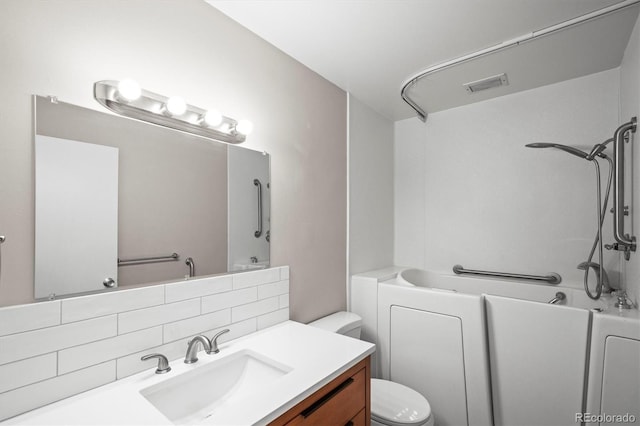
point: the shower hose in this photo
(598, 239)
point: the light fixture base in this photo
(149, 107)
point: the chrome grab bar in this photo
(140, 260)
(258, 233)
(560, 296)
(628, 242)
(552, 278)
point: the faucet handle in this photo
(623, 301)
(163, 363)
(214, 341)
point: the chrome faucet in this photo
(214, 341)
(192, 349)
(560, 296)
(623, 302)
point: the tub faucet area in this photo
(560, 296)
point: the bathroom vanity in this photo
(345, 400)
(286, 374)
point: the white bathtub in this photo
(477, 285)
(493, 351)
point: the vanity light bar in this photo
(127, 99)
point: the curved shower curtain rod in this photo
(504, 45)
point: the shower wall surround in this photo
(52, 350)
(630, 107)
(370, 189)
(468, 192)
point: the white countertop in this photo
(315, 356)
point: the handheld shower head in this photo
(565, 148)
(598, 148)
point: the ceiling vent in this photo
(487, 83)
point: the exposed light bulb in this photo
(176, 105)
(245, 127)
(129, 89)
(212, 118)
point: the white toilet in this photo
(392, 404)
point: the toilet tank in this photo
(346, 323)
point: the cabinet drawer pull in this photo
(319, 403)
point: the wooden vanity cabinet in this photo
(346, 400)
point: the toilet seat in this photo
(394, 404)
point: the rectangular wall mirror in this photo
(121, 202)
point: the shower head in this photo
(565, 148)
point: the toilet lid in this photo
(396, 404)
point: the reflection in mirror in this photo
(248, 209)
(120, 202)
(76, 216)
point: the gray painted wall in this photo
(184, 47)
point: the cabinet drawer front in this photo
(338, 406)
(359, 420)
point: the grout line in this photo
(53, 378)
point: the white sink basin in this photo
(193, 396)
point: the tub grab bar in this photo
(552, 278)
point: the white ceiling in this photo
(370, 47)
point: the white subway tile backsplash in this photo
(94, 353)
(283, 301)
(236, 330)
(27, 371)
(284, 272)
(55, 349)
(27, 398)
(273, 289)
(197, 288)
(194, 326)
(254, 309)
(253, 278)
(45, 340)
(229, 299)
(18, 319)
(79, 308)
(157, 315)
(272, 318)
